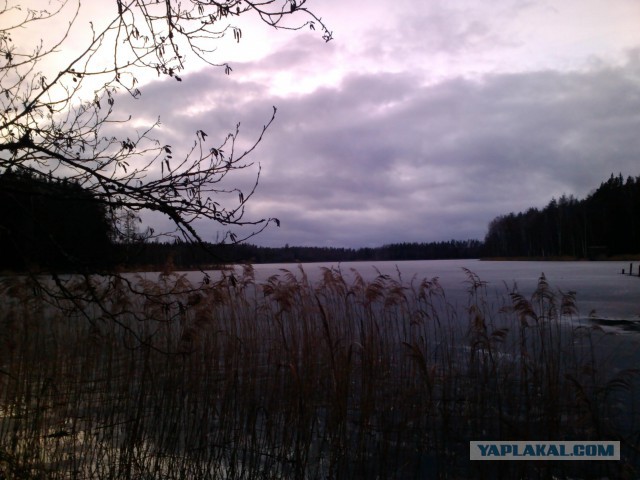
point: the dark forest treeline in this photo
(189, 256)
(606, 223)
(51, 224)
(58, 225)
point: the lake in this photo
(602, 291)
(310, 384)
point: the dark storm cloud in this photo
(387, 158)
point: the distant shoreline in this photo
(613, 258)
(167, 268)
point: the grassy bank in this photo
(290, 379)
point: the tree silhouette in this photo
(604, 223)
(54, 118)
(51, 225)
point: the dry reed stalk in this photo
(291, 379)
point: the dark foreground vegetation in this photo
(288, 379)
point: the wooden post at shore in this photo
(624, 272)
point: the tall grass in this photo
(301, 380)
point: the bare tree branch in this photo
(49, 126)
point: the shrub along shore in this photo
(133, 378)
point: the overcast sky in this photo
(420, 121)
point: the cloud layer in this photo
(367, 156)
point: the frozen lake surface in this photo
(602, 292)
